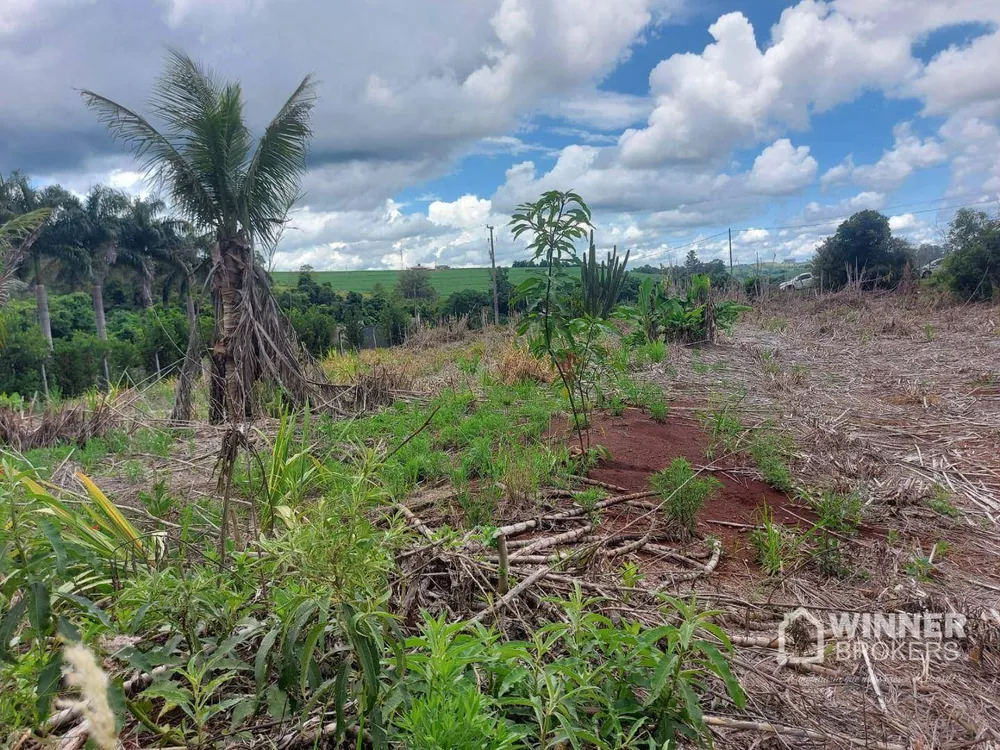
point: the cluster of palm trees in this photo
(232, 190)
(79, 241)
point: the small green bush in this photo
(683, 493)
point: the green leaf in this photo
(662, 674)
(721, 665)
(67, 630)
(48, 685)
(246, 708)
(277, 703)
(692, 703)
(290, 663)
(172, 695)
(260, 663)
(116, 698)
(40, 611)
(88, 605)
(340, 700)
(308, 648)
(138, 617)
(8, 626)
(51, 532)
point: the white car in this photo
(930, 268)
(802, 281)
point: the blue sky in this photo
(675, 119)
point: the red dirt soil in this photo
(638, 447)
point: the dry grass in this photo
(70, 423)
(515, 364)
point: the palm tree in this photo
(187, 259)
(17, 235)
(146, 239)
(105, 210)
(205, 159)
(18, 232)
(58, 241)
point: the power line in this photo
(889, 208)
(661, 251)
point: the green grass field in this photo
(446, 282)
(451, 280)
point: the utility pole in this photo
(730, 253)
(493, 267)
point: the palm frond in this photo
(19, 230)
(184, 93)
(16, 238)
(272, 178)
(158, 156)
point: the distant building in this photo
(442, 268)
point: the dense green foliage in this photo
(445, 281)
(972, 267)
(864, 250)
(300, 621)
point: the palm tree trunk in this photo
(146, 287)
(231, 259)
(102, 331)
(192, 364)
(42, 301)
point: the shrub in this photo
(21, 358)
(972, 267)
(78, 362)
(864, 245)
(683, 493)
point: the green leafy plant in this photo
(837, 512)
(940, 502)
(555, 222)
(683, 493)
(777, 546)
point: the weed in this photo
(921, 566)
(776, 324)
(829, 557)
(777, 546)
(940, 502)
(134, 471)
(658, 409)
(617, 406)
(587, 499)
(683, 493)
(727, 431)
(158, 501)
(837, 512)
(928, 332)
(153, 442)
(768, 450)
(656, 351)
(632, 576)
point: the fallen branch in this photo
(511, 595)
(766, 726)
(412, 517)
(551, 541)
